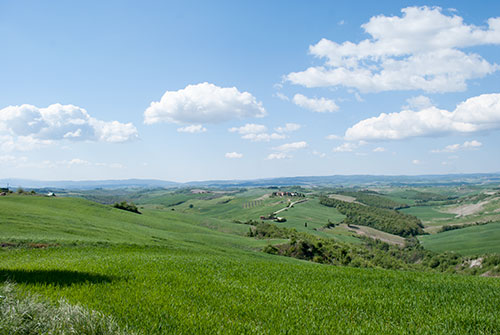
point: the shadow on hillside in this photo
(54, 277)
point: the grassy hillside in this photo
(165, 272)
(73, 220)
(467, 241)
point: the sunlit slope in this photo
(474, 240)
(163, 272)
(200, 290)
(68, 220)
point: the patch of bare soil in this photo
(345, 198)
(467, 209)
(264, 197)
(375, 234)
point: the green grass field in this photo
(427, 213)
(166, 272)
(467, 241)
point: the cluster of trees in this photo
(461, 226)
(127, 207)
(377, 254)
(268, 230)
(390, 221)
(372, 198)
(423, 198)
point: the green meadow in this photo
(474, 240)
(187, 268)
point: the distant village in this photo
(287, 194)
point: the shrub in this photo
(127, 207)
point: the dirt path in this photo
(290, 205)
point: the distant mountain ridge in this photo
(334, 180)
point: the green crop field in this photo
(467, 241)
(171, 272)
(427, 213)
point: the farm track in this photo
(290, 205)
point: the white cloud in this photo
(203, 103)
(379, 149)
(284, 149)
(195, 128)
(256, 133)
(291, 146)
(278, 155)
(321, 105)
(9, 159)
(416, 162)
(418, 103)
(419, 50)
(319, 154)
(288, 128)
(349, 146)
(333, 137)
(474, 115)
(264, 137)
(345, 147)
(27, 127)
(78, 161)
(281, 96)
(249, 128)
(472, 144)
(456, 147)
(233, 155)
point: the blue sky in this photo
(203, 90)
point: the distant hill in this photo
(335, 180)
(86, 184)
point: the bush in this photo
(127, 207)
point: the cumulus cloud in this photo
(319, 154)
(233, 155)
(333, 137)
(420, 50)
(473, 115)
(379, 149)
(198, 128)
(284, 150)
(26, 127)
(278, 155)
(249, 128)
(418, 103)
(287, 147)
(281, 96)
(345, 147)
(416, 162)
(203, 103)
(456, 147)
(256, 133)
(288, 128)
(321, 105)
(349, 146)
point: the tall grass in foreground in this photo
(28, 314)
